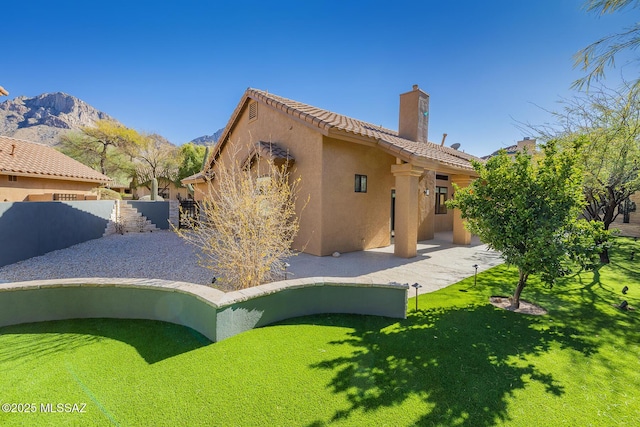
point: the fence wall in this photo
(29, 229)
(215, 314)
(156, 212)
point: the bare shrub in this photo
(247, 222)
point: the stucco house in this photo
(166, 189)
(527, 144)
(34, 172)
(368, 186)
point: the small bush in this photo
(107, 194)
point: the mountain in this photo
(44, 118)
(208, 139)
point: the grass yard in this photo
(458, 361)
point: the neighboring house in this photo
(628, 219)
(528, 144)
(167, 189)
(120, 187)
(368, 186)
(36, 172)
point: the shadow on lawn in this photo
(154, 340)
(464, 362)
(599, 293)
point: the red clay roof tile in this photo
(386, 138)
(18, 157)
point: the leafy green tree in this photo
(192, 158)
(603, 128)
(600, 54)
(107, 147)
(524, 210)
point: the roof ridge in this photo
(25, 141)
(388, 138)
(36, 159)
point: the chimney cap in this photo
(415, 87)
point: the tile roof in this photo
(386, 138)
(512, 149)
(18, 157)
(273, 151)
(269, 150)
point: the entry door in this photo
(393, 212)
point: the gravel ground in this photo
(163, 255)
(158, 255)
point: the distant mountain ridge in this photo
(44, 118)
(208, 139)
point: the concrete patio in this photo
(163, 255)
(439, 263)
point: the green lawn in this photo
(458, 361)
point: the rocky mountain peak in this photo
(208, 139)
(44, 118)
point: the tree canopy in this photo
(524, 209)
(107, 147)
(599, 55)
(603, 128)
(192, 158)
(155, 157)
(126, 154)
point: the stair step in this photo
(131, 221)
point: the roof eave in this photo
(56, 177)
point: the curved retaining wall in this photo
(215, 314)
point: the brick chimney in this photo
(414, 115)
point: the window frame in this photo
(440, 206)
(360, 184)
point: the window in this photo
(64, 197)
(442, 177)
(361, 184)
(441, 197)
(13, 178)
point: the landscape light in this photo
(417, 286)
(475, 276)
(286, 265)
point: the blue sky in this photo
(179, 68)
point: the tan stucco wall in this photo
(173, 190)
(336, 218)
(427, 206)
(20, 190)
(444, 222)
(632, 228)
(304, 145)
(355, 221)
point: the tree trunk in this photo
(103, 160)
(522, 281)
(604, 255)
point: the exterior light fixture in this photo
(475, 276)
(286, 265)
(417, 286)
